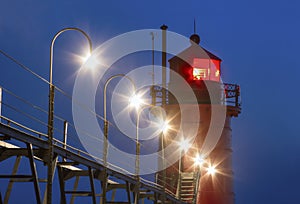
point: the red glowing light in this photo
(206, 69)
(199, 73)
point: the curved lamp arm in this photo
(53, 41)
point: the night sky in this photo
(258, 41)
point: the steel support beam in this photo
(34, 174)
(11, 182)
(61, 185)
(91, 176)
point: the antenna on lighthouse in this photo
(153, 94)
(194, 25)
(164, 63)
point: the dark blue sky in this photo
(258, 41)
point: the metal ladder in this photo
(188, 186)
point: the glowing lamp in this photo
(201, 70)
(86, 57)
(206, 69)
(198, 160)
(165, 126)
(135, 101)
(184, 144)
(211, 170)
(196, 63)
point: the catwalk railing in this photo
(231, 94)
(13, 130)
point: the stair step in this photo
(187, 187)
(184, 179)
(188, 190)
(187, 194)
(187, 175)
(187, 200)
(187, 179)
(187, 182)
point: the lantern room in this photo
(206, 69)
(200, 68)
(196, 63)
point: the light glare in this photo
(85, 58)
(184, 145)
(135, 101)
(211, 170)
(199, 160)
(165, 127)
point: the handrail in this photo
(232, 91)
(81, 153)
(22, 126)
(74, 149)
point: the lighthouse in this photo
(203, 173)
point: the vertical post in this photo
(105, 149)
(0, 103)
(91, 175)
(164, 64)
(11, 181)
(105, 145)
(50, 142)
(106, 126)
(137, 145)
(137, 160)
(61, 185)
(153, 94)
(237, 93)
(197, 183)
(34, 174)
(50, 111)
(163, 166)
(164, 97)
(65, 137)
(179, 175)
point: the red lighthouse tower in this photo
(204, 173)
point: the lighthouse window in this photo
(199, 74)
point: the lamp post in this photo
(164, 129)
(137, 101)
(105, 112)
(105, 145)
(163, 165)
(51, 109)
(137, 148)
